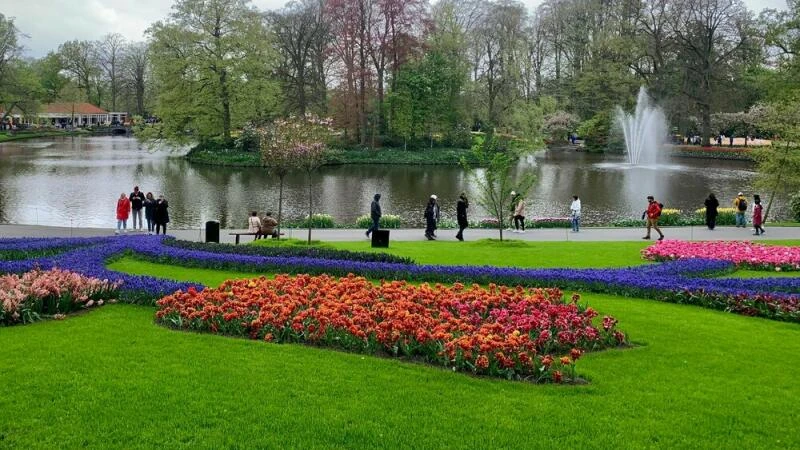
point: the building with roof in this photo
(77, 114)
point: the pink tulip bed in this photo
(742, 254)
(37, 293)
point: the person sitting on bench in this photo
(254, 224)
(268, 225)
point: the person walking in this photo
(653, 213)
(254, 225)
(575, 209)
(149, 212)
(513, 208)
(758, 216)
(137, 203)
(123, 211)
(430, 218)
(740, 204)
(519, 214)
(461, 215)
(711, 211)
(436, 214)
(161, 215)
(375, 214)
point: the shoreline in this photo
(587, 234)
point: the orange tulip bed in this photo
(514, 333)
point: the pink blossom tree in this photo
(295, 143)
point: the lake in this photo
(75, 181)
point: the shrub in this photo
(549, 222)
(795, 207)
(317, 221)
(387, 221)
(248, 140)
(458, 137)
(725, 216)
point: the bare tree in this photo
(135, 66)
(110, 57)
(711, 35)
(301, 34)
(78, 59)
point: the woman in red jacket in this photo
(123, 211)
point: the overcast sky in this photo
(48, 23)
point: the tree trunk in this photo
(309, 206)
(226, 105)
(280, 203)
(706, 124)
(777, 183)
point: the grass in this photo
(700, 379)
(112, 378)
(6, 137)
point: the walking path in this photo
(586, 234)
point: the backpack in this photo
(742, 205)
(660, 207)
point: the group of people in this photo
(156, 212)
(740, 206)
(262, 227)
(432, 214)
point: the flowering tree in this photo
(292, 144)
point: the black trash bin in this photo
(380, 238)
(212, 231)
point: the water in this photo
(76, 182)
(644, 130)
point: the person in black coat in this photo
(711, 211)
(161, 214)
(374, 213)
(149, 212)
(461, 215)
(430, 219)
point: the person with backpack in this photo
(740, 203)
(653, 213)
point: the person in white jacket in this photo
(254, 224)
(519, 214)
(575, 208)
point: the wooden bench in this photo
(247, 233)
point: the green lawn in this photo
(111, 378)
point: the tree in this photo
(19, 85)
(136, 72)
(48, 69)
(301, 34)
(296, 143)
(10, 48)
(110, 56)
(79, 61)
(712, 37)
(496, 181)
(779, 166)
(210, 59)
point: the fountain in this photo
(644, 130)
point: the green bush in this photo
(458, 137)
(248, 140)
(795, 206)
(317, 221)
(597, 133)
(387, 221)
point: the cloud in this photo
(49, 23)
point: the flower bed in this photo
(549, 222)
(741, 253)
(733, 153)
(499, 331)
(681, 281)
(25, 298)
(267, 250)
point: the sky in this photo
(48, 23)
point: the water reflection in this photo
(76, 181)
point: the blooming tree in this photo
(295, 143)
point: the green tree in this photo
(19, 85)
(211, 60)
(496, 180)
(779, 166)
